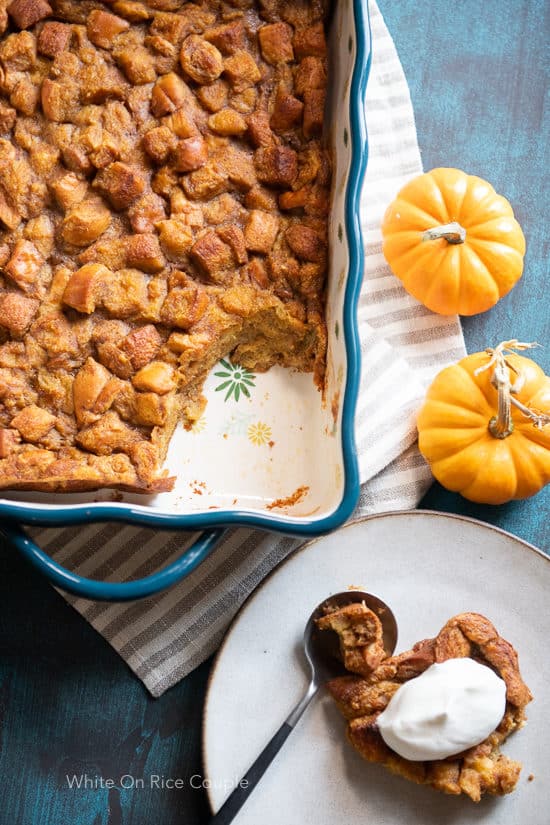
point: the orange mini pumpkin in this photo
(484, 427)
(453, 242)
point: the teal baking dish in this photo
(270, 452)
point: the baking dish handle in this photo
(112, 591)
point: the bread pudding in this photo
(164, 192)
(364, 696)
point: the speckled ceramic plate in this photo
(427, 567)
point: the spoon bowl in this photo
(321, 647)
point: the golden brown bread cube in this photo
(138, 64)
(33, 422)
(69, 190)
(259, 129)
(260, 231)
(85, 222)
(182, 123)
(141, 345)
(184, 307)
(306, 242)
(171, 27)
(151, 409)
(310, 41)
(120, 183)
(8, 117)
(276, 43)
(60, 100)
(287, 113)
(205, 182)
(310, 74)
(200, 60)
(190, 154)
(229, 37)
(314, 111)
(9, 441)
(227, 122)
(155, 377)
(24, 265)
(133, 11)
(103, 27)
(84, 287)
(54, 38)
(176, 237)
(26, 13)
(92, 395)
(17, 312)
(241, 70)
(18, 53)
(212, 256)
(109, 434)
(276, 165)
(169, 94)
(261, 197)
(232, 235)
(146, 212)
(159, 142)
(214, 96)
(144, 252)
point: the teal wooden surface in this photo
(478, 74)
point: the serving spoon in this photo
(322, 652)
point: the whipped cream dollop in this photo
(452, 706)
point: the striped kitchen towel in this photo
(404, 345)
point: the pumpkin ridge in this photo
(479, 212)
(398, 244)
(454, 209)
(459, 461)
(426, 190)
(473, 205)
(447, 407)
(505, 248)
(471, 283)
(534, 435)
(469, 250)
(435, 449)
(511, 264)
(533, 463)
(492, 205)
(490, 402)
(446, 280)
(504, 473)
(439, 386)
(413, 273)
(491, 226)
(407, 209)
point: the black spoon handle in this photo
(240, 794)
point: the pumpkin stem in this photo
(452, 232)
(502, 425)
